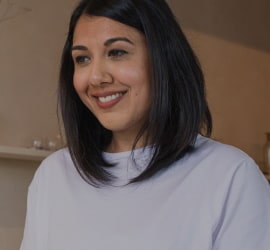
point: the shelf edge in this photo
(21, 153)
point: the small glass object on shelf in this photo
(37, 144)
(47, 143)
(266, 151)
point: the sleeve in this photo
(29, 237)
(245, 219)
(36, 222)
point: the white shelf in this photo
(21, 153)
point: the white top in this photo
(213, 199)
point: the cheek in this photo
(134, 76)
(80, 82)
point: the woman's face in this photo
(112, 73)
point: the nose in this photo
(99, 73)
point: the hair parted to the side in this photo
(178, 111)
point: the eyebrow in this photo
(116, 39)
(79, 47)
(106, 43)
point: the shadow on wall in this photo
(242, 21)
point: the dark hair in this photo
(178, 111)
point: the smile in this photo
(109, 98)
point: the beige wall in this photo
(31, 39)
(232, 40)
(15, 177)
(238, 84)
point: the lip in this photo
(110, 103)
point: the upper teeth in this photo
(109, 97)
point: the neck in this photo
(122, 143)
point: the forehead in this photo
(102, 28)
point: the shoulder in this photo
(217, 156)
(206, 147)
(216, 164)
(58, 160)
(57, 157)
(54, 168)
(222, 163)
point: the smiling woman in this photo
(139, 162)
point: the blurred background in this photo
(231, 39)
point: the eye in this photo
(81, 59)
(117, 53)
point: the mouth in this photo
(108, 100)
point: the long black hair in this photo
(178, 110)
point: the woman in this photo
(137, 174)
